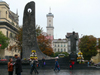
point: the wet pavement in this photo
(51, 72)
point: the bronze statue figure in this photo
(73, 38)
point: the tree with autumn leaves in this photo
(44, 44)
(88, 46)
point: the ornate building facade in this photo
(9, 27)
(60, 45)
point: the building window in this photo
(58, 50)
(49, 20)
(55, 50)
(58, 45)
(61, 50)
(64, 45)
(6, 14)
(10, 35)
(64, 50)
(61, 45)
(7, 33)
(55, 45)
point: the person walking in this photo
(18, 65)
(57, 65)
(43, 62)
(88, 63)
(72, 62)
(34, 67)
(31, 63)
(10, 67)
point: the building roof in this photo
(59, 40)
(13, 16)
(50, 15)
(4, 3)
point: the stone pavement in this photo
(51, 72)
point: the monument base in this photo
(73, 57)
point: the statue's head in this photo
(73, 33)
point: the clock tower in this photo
(50, 28)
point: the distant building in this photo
(60, 45)
(9, 27)
(69, 43)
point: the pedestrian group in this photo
(34, 64)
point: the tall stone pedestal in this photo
(73, 57)
(29, 33)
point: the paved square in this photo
(51, 72)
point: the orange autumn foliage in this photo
(45, 45)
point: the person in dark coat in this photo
(34, 67)
(43, 62)
(57, 65)
(18, 65)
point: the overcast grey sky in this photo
(82, 16)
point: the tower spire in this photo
(17, 11)
(50, 10)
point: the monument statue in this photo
(73, 38)
(29, 40)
